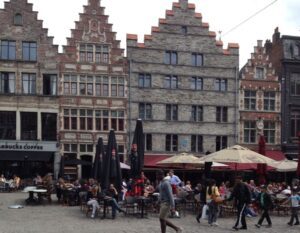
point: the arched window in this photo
(18, 19)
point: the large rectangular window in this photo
(171, 112)
(70, 119)
(28, 126)
(7, 125)
(221, 114)
(101, 120)
(94, 53)
(171, 57)
(49, 126)
(197, 59)
(221, 142)
(7, 83)
(49, 84)
(86, 119)
(269, 131)
(249, 100)
(8, 50)
(220, 84)
(117, 86)
(145, 111)
(295, 123)
(102, 86)
(70, 84)
(295, 84)
(197, 113)
(249, 132)
(29, 51)
(171, 82)
(196, 83)
(28, 84)
(117, 120)
(171, 142)
(269, 100)
(145, 80)
(197, 143)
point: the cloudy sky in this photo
(138, 16)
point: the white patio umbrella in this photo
(285, 165)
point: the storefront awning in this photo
(33, 156)
(150, 160)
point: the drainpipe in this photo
(236, 105)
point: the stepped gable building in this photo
(93, 94)
(28, 92)
(284, 53)
(183, 86)
(259, 101)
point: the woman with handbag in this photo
(212, 199)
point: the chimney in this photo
(268, 46)
(276, 35)
(259, 43)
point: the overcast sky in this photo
(138, 16)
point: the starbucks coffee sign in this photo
(27, 146)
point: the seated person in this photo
(37, 181)
(16, 182)
(188, 186)
(110, 196)
(148, 189)
(92, 198)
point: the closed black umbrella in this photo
(97, 166)
(137, 150)
(111, 164)
(62, 166)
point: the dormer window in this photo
(94, 53)
(259, 73)
(18, 20)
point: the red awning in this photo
(150, 160)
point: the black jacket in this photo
(241, 194)
(267, 201)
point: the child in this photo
(294, 199)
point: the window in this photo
(7, 83)
(197, 59)
(18, 19)
(171, 57)
(269, 101)
(145, 80)
(221, 114)
(145, 111)
(8, 125)
(117, 86)
(102, 84)
(70, 84)
(28, 84)
(94, 53)
(249, 100)
(49, 84)
(295, 84)
(171, 142)
(101, 120)
(8, 50)
(196, 143)
(220, 84)
(148, 142)
(171, 112)
(28, 126)
(184, 30)
(49, 124)
(295, 123)
(269, 131)
(171, 82)
(221, 142)
(197, 113)
(121, 152)
(86, 147)
(86, 119)
(249, 132)
(259, 73)
(70, 119)
(86, 85)
(29, 51)
(196, 83)
(117, 120)
(70, 147)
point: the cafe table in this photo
(142, 201)
(30, 189)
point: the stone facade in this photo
(183, 85)
(284, 53)
(259, 101)
(93, 90)
(28, 85)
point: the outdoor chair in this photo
(130, 205)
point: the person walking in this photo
(265, 203)
(166, 203)
(294, 200)
(212, 192)
(241, 195)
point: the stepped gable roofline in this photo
(212, 34)
(147, 37)
(198, 15)
(141, 45)
(169, 12)
(205, 25)
(219, 43)
(131, 36)
(191, 6)
(155, 29)
(162, 21)
(233, 45)
(176, 4)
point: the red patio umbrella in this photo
(262, 168)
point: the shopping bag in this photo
(204, 212)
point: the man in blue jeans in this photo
(110, 198)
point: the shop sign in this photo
(28, 146)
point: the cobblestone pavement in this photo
(55, 218)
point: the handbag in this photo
(216, 199)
